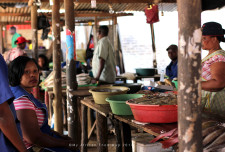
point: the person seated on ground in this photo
(18, 51)
(10, 132)
(171, 69)
(43, 62)
(32, 114)
(213, 68)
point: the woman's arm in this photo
(33, 134)
(217, 82)
(8, 127)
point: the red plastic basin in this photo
(154, 113)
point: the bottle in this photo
(162, 76)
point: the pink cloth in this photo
(14, 53)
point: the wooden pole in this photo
(74, 126)
(95, 30)
(115, 40)
(1, 41)
(102, 137)
(84, 139)
(189, 76)
(153, 46)
(57, 89)
(34, 31)
(5, 38)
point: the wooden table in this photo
(122, 127)
(156, 77)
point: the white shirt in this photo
(105, 51)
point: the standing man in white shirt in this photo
(103, 63)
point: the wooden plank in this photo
(57, 89)
(15, 14)
(116, 1)
(103, 109)
(189, 81)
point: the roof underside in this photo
(19, 13)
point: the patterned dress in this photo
(213, 101)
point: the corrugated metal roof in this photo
(20, 12)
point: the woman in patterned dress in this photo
(213, 68)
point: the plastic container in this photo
(101, 93)
(118, 103)
(140, 143)
(134, 87)
(145, 72)
(154, 113)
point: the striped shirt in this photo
(218, 56)
(25, 103)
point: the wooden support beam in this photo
(95, 30)
(153, 46)
(34, 31)
(189, 76)
(5, 37)
(57, 89)
(71, 82)
(15, 14)
(1, 40)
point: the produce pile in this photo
(156, 99)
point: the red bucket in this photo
(154, 113)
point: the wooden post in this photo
(34, 31)
(118, 135)
(189, 76)
(72, 106)
(84, 139)
(153, 46)
(5, 38)
(115, 40)
(1, 40)
(101, 126)
(95, 30)
(57, 89)
(126, 137)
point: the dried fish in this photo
(208, 123)
(208, 130)
(212, 136)
(219, 140)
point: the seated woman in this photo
(32, 114)
(213, 68)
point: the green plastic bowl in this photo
(118, 103)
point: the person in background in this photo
(33, 115)
(15, 35)
(43, 62)
(103, 63)
(213, 68)
(171, 69)
(18, 51)
(10, 132)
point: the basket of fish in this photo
(155, 108)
